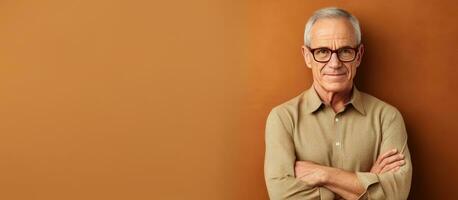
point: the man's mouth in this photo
(341, 74)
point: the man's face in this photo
(333, 33)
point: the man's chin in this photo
(336, 87)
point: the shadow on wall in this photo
(375, 71)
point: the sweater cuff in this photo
(326, 194)
(366, 179)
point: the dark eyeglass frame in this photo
(334, 51)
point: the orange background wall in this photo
(167, 100)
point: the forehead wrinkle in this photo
(332, 42)
(333, 32)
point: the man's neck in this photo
(336, 100)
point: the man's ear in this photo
(360, 55)
(307, 56)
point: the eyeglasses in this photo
(344, 54)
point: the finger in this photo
(386, 154)
(394, 169)
(392, 166)
(380, 164)
(392, 159)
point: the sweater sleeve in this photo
(280, 160)
(390, 185)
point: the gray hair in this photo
(331, 12)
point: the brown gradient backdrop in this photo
(151, 100)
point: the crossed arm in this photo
(344, 183)
(288, 178)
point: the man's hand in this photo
(343, 183)
(389, 161)
(309, 172)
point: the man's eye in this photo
(321, 51)
(346, 51)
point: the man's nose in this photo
(334, 62)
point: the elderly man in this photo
(333, 141)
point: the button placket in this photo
(337, 143)
(339, 127)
